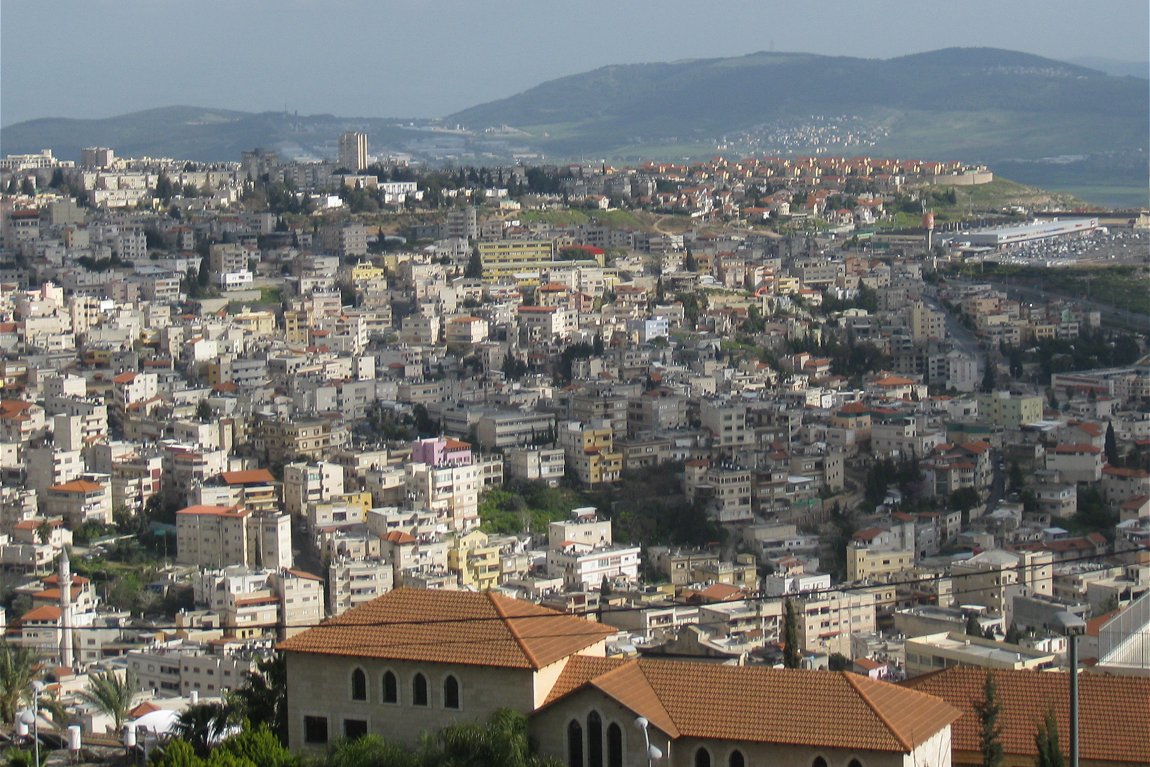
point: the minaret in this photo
(65, 577)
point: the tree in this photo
(792, 657)
(257, 745)
(263, 696)
(964, 499)
(474, 268)
(988, 377)
(203, 725)
(203, 411)
(989, 728)
(972, 627)
(1016, 478)
(500, 742)
(19, 666)
(370, 751)
(111, 695)
(1111, 446)
(838, 662)
(1013, 634)
(164, 188)
(1046, 740)
(690, 264)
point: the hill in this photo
(1040, 121)
(194, 133)
(967, 103)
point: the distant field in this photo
(1123, 287)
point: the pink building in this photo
(441, 451)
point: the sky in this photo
(429, 58)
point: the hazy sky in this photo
(428, 58)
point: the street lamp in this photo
(29, 717)
(653, 752)
(1073, 627)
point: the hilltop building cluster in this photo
(310, 418)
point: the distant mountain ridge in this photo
(612, 107)
(970, 104)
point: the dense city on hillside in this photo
(820, 413)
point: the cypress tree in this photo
(989, 729)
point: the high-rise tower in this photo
(352, 151)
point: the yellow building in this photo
(256, 323)
(474, 561)
(366, 271)
(501, 258)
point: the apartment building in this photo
(307, 483)
(85, 499)
(217, 536)
(352, 582)
(589, 449)
(827, 619)
(535, 463)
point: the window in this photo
(419, 690)
(354, 728)
(614, 745)
(358, 685)
(574, 744)
(854, 763)
(736, 759)
(594, 739)
(819, 762)
(702, 758)
(390, 688)
(450, 692)
(315, 729)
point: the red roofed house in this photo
(132, 388)
(20, 420)
(1076, 463)
(415, 661)
(1120, 485)
(1114, 714)
(254, 489)
(88, 499)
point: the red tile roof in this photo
(250, 477)
(217, 511)
(77, 486)
(42, 614)
(1114, 712)
(761, 705)
(475, 629)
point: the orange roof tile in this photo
(218, 511)
(249, 477)
(45, 613)
(303, 574)
(1114, 712)
(476, 629)
(77, 486)
(804, 708)
(1118, 471)
(1077, 449)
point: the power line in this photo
(759, 598)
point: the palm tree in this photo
(111, 694)
(203, 725)
(263, 696)
(501, 742)
(19, 666)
